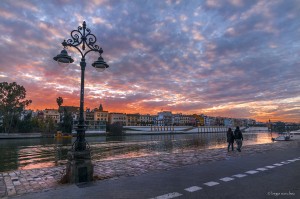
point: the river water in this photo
(21, 154)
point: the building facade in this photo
(53, 114)
(164, 118)
(133, 119)
(117, 118)
(146, 120)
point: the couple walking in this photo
(237, 136)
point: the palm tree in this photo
(59, 101)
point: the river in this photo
(21, 154)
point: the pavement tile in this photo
(16, 183)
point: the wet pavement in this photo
(36, 180)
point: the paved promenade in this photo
(26, 182)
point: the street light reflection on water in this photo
(23, 154)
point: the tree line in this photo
(14, 119)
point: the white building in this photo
(164, 118)
(146, 120)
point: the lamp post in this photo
(79, 166)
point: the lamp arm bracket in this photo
(76, 39)
(90, 41)
(77, 49)
(83, 36)
(94, 50)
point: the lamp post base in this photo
(79, 167)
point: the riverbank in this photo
(20, 135)
(20, 182)
(135, 130)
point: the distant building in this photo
(237, 122)
(95, 120)
(133, 119)
(74, 110)
(251, 122)
(219, 121)
(164, 118)
(25, 113)
(188, 120)
(199, 120)
(146, 120)
(100, 118)
(177, 119)
(228, 122)
(209, 121)
(101, 115)
(89, 119)
(40, 115)
(117, 118)
(53, 114)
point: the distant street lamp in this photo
(79, 166)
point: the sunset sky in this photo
(232, 58)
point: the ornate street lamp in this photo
(79, 166)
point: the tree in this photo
(12, 103)
(50, 125)
(26, 125)
(59, 102)
(115, 129)
(67, 124)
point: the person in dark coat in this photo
(230, 139)
(238, 136)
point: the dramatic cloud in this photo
(234, 58)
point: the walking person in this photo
(230, 139)
(239, 138)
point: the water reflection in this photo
(48, 152)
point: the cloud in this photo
(228, 58)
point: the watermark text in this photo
(271, 193)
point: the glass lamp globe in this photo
(63, 59)
(100, 65)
